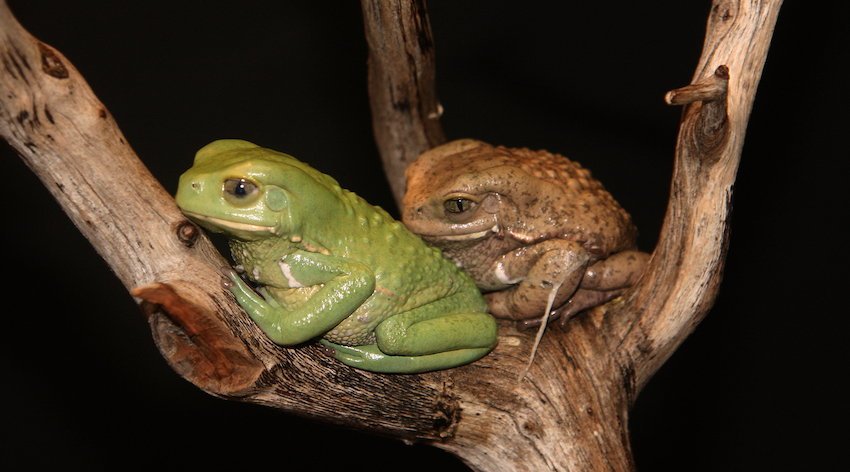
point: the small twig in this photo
(712, 88)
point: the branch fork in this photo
(571, 413)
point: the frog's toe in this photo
(584, 300)
(522, 325)
(355, 356)
(329, 351)
(232, 277)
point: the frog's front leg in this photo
(620, 270)
(532, 273)
(346, 285)
(256, 305)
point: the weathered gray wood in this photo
(402, 90)
(571, 412)
(684, 275)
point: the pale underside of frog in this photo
(326, 264)
(533, 229)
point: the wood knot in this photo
(447, 413)
(187, 233)
(51, 64)
(196, 343)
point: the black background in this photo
(758, 386)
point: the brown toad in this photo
(526, 225)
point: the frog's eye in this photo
(457, 204)
(240, 191)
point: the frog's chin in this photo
(464, 236)
(238, 229)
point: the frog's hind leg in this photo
(371, 358)
(426, 339)
(406, 335)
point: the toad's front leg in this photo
(531, 274)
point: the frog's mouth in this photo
(213, 224)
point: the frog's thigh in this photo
(422, 331)
(620, 270)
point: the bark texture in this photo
(570, 413)
(405, 110)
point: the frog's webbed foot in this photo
(553, 265)
(369, 357)
(581, 300)
(603, 281)
(230, 274)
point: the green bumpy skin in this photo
(328, 264)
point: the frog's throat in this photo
(464, 237)
(234, 225)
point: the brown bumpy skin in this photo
(523, 223)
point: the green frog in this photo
(327, 264)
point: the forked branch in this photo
(571, 411)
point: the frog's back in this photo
(402, 261)
(592, 214)
(566, 174)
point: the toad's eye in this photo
(240, 191)
(457, 204)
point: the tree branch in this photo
(570, 413)
(684, 275)
(402, 90)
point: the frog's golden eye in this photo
(240, 191)
(457, 204)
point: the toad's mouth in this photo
(462, 237)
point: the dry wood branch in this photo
(402, 91)
(684, 275)
(51, 117)
(570, 414)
